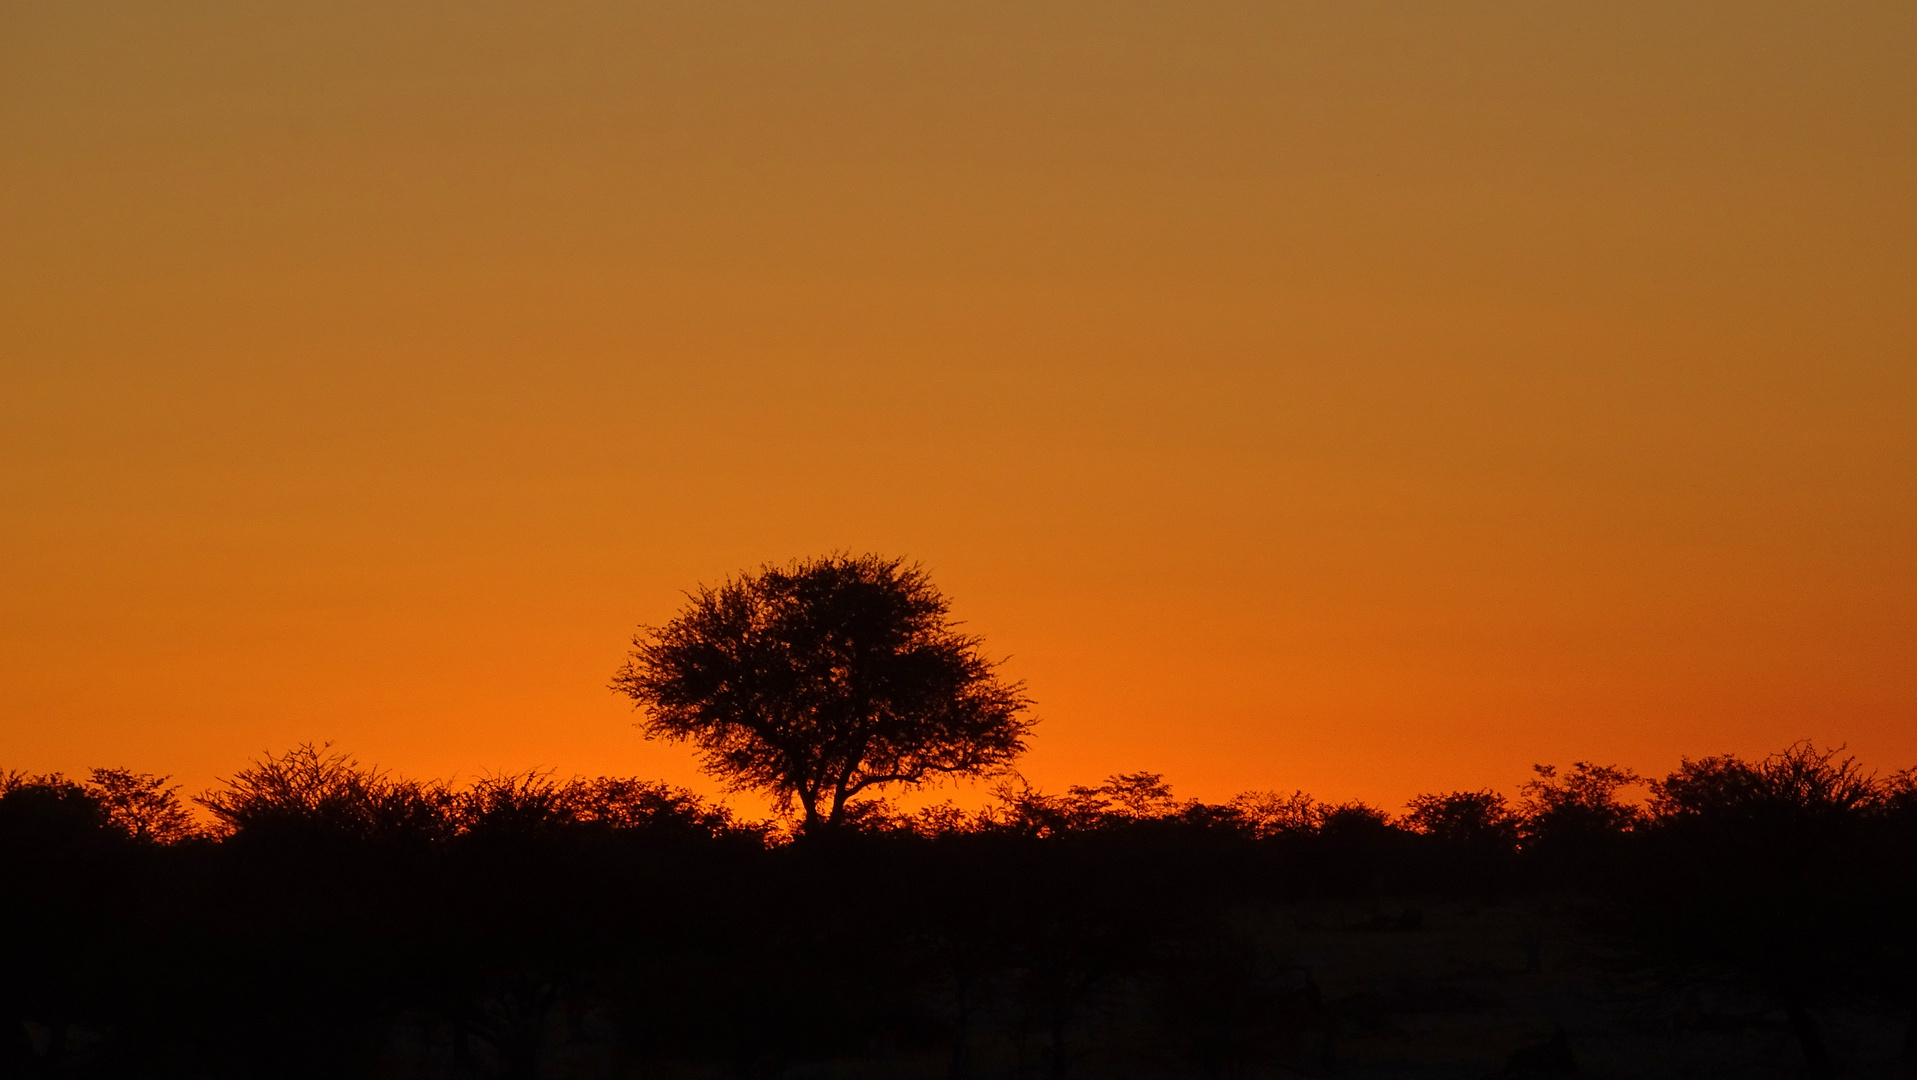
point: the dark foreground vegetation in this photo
(1732, 919)
(321, 919)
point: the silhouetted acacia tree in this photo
(823, 679)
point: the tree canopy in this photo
(824, 679)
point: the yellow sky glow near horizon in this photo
(1353, 396)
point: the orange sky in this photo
(1356, 396)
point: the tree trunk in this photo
(812, 820)
(1061, 1022)
(1328, 1046)
(1810, 1037)
(961, 1067)
(523, 1062)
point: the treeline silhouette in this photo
(325, 919)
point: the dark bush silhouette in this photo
(49, 810)
(1575, 819)
(339, 921)
(824, 679)
(314, 792)
(1783, 875)
(1267, 813)
(1799, 785)
(141, 805)
(1470, 819)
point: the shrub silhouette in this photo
(1799, 784)
(1476, 819)
(342, 922)
(314, 792)
(1577, 816)
(1780, 875)
(141, 805)
(49, 810)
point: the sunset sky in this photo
(1344, 395)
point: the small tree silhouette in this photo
(1571, 812)
(49, 811)
(1268, 813)
(1471, 818)
(1774, 873)
(1123, 799)
(823, 679)
(1800, 783)
(141, 805)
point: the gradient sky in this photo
(1363, 397)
